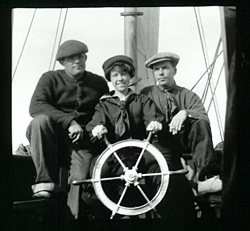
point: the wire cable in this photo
(53, 50)
(221, 130)
(203, 36)
(208, 84)
(200, 35)
(211, 73)
(214, 98)
(61, 34)
(24, 44)
(203, 45)
(206, 70)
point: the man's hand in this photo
(177, 122)
(154, 126)
(99, 131)
(75, 131)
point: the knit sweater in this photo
(65, 99)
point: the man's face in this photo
(120, 79)
(164, 73)
(75, 65)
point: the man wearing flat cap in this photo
(188, 123)
(61, 106)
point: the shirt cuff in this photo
(193, 115)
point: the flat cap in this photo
(116, 59)
(163, 56)
(71, 47)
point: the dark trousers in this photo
(50, 148)
(196, 138)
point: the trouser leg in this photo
(79, 169)
(178, 202)
(172, 158)
(197, 137)
(44, 138)
(42, 135)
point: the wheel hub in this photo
(131, 176)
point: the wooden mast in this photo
(141, 41)
(130, 40)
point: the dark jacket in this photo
(184, 99)
(65, 99)
(137, 111)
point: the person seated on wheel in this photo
(123, 114)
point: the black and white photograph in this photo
(123, 117)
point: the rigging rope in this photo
(206, 70)
(213, 97)
(24, 43)
(53, 50)
(216, 85)
(221, 130)
(204, 50)
(210, 76)
(202, 45)
(61, 34)
(203, 37)
(208, 85)
(204, 95)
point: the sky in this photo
(102, 29)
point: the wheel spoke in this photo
(143, 150)
(155, 174)
(79, 182)
(110, 178)
(146, 198)
(120, 161)
(141, 154)
(181, 171)
(117, 157)
(119, 202)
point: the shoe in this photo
(211, 185)
(42, 194)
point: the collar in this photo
(111, 95)
(85, 73)
(171, 89)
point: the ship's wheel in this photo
(132, 179)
